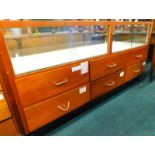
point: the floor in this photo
(128, 112)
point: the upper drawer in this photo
(55, 107)
(39, 86)
(103, 66)
(137, 55)
(106, 84)
(4, 109)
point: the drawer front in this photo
(39, 86)
(53, 108)
(7, 128)
(104, 85)
(134, 71)
(136, 56)
(104, 66)
(4, 109)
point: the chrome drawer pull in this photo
(112, 65)
(60, 83)
(139, 56)
(64, 109)
(137, 71)
(110, 84)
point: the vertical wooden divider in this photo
(110, 38)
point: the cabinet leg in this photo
(152, 65)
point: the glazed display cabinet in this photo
(51, 68)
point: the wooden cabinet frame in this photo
(6, 69)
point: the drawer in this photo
(134, 71)
(53, 108)
(39, 86)
(136, 56)
(104, 85)
(4, 109)
(7, 128)
(107, 65)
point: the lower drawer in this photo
(104, 85)
(134, 71)
(7, 128)
(55, 107)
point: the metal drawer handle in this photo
(112, 65)
(110, 84)
(139, 56)
(64, 109)
(61, 83)
(137, 71)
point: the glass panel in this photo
(37, 48)
(129, 36)
(89, 41)
(122, 38)
(140, 33)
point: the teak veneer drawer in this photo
(4, 109)
(7, 128)
(134, 71)
(55, 107)
(42, 85)
(104, 66)
(104, 85)
(137, 55)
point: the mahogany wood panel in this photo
(106, 65)
(134, 71)
(4, 110)
(7, 128)
(44, 112)
(136, 55)
(40, 86)
(104, 85)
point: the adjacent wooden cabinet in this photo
(7, 124)
(4, 109)
(60, 66)
(7, 128)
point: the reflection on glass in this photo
(129, 36)
(40, 47)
